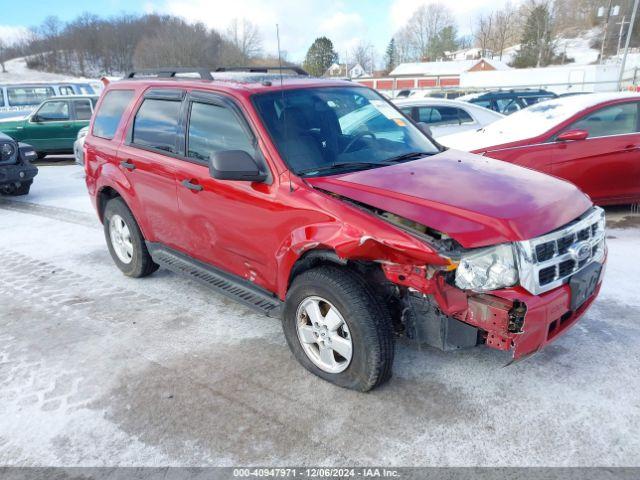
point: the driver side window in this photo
(57, 111)
(213, 128)
(614, 120)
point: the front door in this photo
(228, 224)
(606, 165)
(49, 128)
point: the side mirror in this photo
(35, 118)
(573, 135)
(424, 128)
(235, 165)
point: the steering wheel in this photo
(356, 138)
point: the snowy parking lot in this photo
(100, 369)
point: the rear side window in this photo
(108, 117)
(24, 96)
(83, 109)
(443, 116)
(212, 129)
(483, 103)
(156, 124)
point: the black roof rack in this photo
(205, 74)
(169, 72)
(263, 69)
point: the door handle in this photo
(128, 165)
(66, 126)
(191, 186)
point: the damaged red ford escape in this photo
(319, 203)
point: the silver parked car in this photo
(79, 144)
(445, 117)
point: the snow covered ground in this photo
(100, 369)
(18, 72)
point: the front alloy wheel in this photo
(338, 329)
(324, 335)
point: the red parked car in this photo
(591, 140)
(317, 202)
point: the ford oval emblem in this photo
(580, 251)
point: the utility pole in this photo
(626, 43)
(607, 14)
(620, 34)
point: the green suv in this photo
(54, 125)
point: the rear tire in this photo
(125, 241)
(341, 296)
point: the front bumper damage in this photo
(508, 319)
(17, 173)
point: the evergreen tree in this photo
(536, 45)
(445, 41)
(390, 56)
(320, 57)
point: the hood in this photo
(476, 200)
(10, 123)
(479, 140)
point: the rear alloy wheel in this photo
(121, 239)
(337, 328)
(125, 241)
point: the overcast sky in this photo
(345, 22)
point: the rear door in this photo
(82, 109)
(149, 159)
(606, 165)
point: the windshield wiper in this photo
(336, 165)
(409, 156)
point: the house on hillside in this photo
(474, 53)
(342, 70)
(443, 74)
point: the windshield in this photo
(338, 128)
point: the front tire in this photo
(125, 241)
(338, 330)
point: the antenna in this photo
(284, 108)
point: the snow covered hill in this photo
(18, 72)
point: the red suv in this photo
(318, 202)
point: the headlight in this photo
(6, 151)
(487, 269)
(82, 133)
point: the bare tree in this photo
(363, 54)
(3, 51)
(484, 33)
(505, 31)
(245, 37)
(419, 39)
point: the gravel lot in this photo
(98, 369)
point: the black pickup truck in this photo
(16, 171)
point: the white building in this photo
(342, 70)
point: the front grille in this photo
(548, 261)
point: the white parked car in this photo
(445, 117)
(79, 144)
